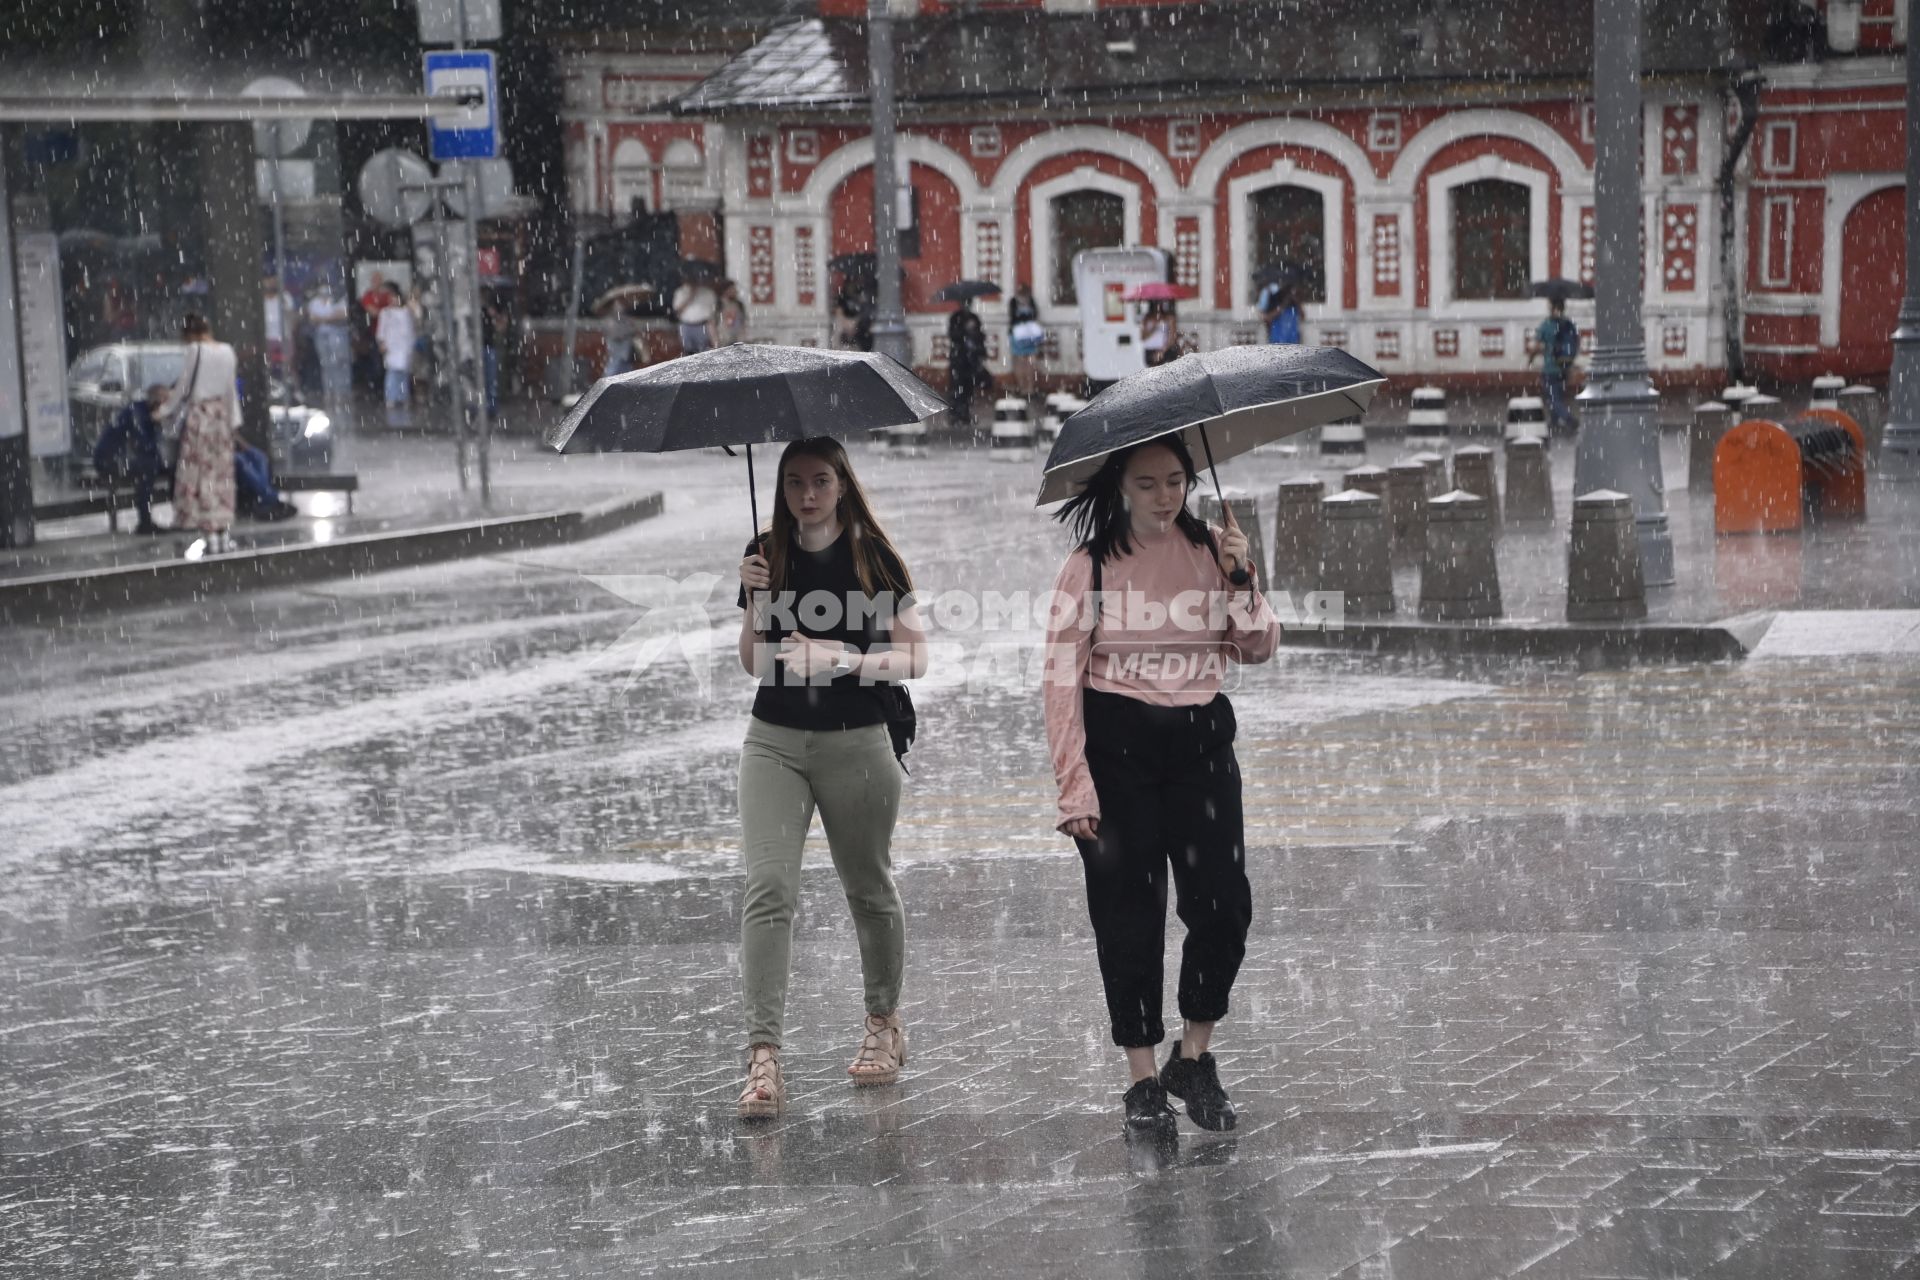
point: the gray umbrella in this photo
(745, 394)
(1223, 403)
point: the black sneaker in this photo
(1147, 1106)
(1196, 1082)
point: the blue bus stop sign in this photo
(473, 134)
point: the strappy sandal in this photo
(883, 1051)
(766, 1093)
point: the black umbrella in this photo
(745, 394)
(1561, 289)
(854, 263)
(1280, 273)
(1222, 403)
(966, 291)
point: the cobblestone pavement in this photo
(387, 928)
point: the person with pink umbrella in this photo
(1159, 323)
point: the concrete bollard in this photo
(1736, 395)
(1296, 533)
(1864, 406)
(1246, 514)
(1473, 471)
(1012, 431)
(907, 440)
(1368, 479)
(1757, 406)
(1406, 509)
(1427, 417)
(1354, 558)
(1343, 436)
(1826, 391)
(1526, 419)
(1436, 465)
(1604, 582)
(1056, 413)
(1529, 497)
(1711, 418)
(1459, 579)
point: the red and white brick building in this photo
(1430, 161)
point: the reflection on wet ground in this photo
(389, 927)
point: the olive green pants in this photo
(852, 778)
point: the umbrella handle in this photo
(753, 496)
(1239, 577)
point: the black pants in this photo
(1169, 790)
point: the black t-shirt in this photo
(824, 600)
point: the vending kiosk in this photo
(1110, 327)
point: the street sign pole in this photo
(483, 419)
(287, 364)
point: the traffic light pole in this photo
(890, 336)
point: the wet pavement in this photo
(406, 483)
(387, 926)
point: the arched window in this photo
(1492, 240)
(685, 171)
(632, 178)
(1083, 220)
(1290, 227)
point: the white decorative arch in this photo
(1040, 224)
(1440, 188)
(1136, 151)
(1332, 193)
(857, 155)
(631, 174)
(1420, 150)
(1845, 191)
(1308, 134)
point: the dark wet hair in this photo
(195, 326)
(1098, 513)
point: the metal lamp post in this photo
(890, 336)
(1900, 447)
(1619, 422)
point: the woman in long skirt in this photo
(1142, 746)
(207, 393)
(830, 622)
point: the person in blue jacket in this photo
(130, 447)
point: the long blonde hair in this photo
(874, 557)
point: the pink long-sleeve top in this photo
(1169, 624)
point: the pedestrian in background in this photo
(967, 373)
(1143, 755)
(130, 449)
(208, 395)
(1557, 343)
(1159, 333)
(396, 333)
(327, 318)
(693, 307)
(1280, 310)
(819, 740)
(730, 320)
(1025, 337)
(278, 314)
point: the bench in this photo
(101, 494)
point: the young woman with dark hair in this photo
(1143, 754)
(830, 612)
